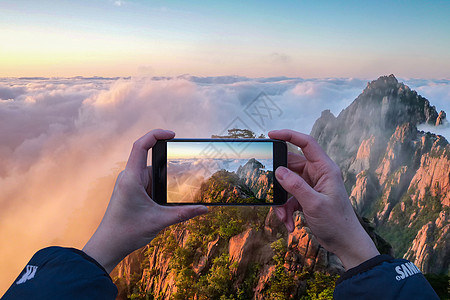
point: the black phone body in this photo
(218, 171)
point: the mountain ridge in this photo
(390, 167)
(397, 178)
(249, 184)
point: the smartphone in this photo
(218, 171)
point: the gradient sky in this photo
(249, 38)
(183, 150)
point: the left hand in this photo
(132, 218)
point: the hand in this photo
(316, 184)
(132, 218)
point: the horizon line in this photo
(188, 76)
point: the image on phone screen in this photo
(220, 172)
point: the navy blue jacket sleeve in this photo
(384, 277)
(62, 273)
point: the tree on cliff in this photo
(237, 133)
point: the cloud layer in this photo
(63, 141)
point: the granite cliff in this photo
(256, 178)
(398, 181)
(249, 184)
(207, 257)
(396, 175)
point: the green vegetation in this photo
(320, 286)
(217, 283)
(281, 284)
(225, 186)
(245, 291)
(217, 280)
(401, 230)
(222, 222)
(398, 236)
(284, 284)
(373, 208)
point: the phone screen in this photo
(220, 172)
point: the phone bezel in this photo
(159, 170)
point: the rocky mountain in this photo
(237, 253)
(249, 184)
(398, 181)
(234, 251)
(256, 178)
(396, 175)
(224, 186)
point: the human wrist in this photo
(359, 251)
(104, 250)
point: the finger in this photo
(176, 214)
(280, 211)
(285, 212)
(295, 185)
(139, 152)
(311, 149)
(296, 162)
(293, 206)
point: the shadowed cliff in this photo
(396, 175)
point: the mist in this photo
(64, 140)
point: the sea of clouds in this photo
(63, 140)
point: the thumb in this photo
(183, 213)
(294, 184)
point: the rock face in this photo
(441, 119)
(255, 177)
(396, 175)
(304, 252)
(159, 269)
(250, 183)
(224, 186)
(430, 246)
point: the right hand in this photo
(316, 184)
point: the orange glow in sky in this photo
(255, 39)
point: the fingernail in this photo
(171, 131)
(281, 172)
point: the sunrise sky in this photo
(249, 38)
(219, 150)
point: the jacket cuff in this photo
(88, 258)
(365, 266)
